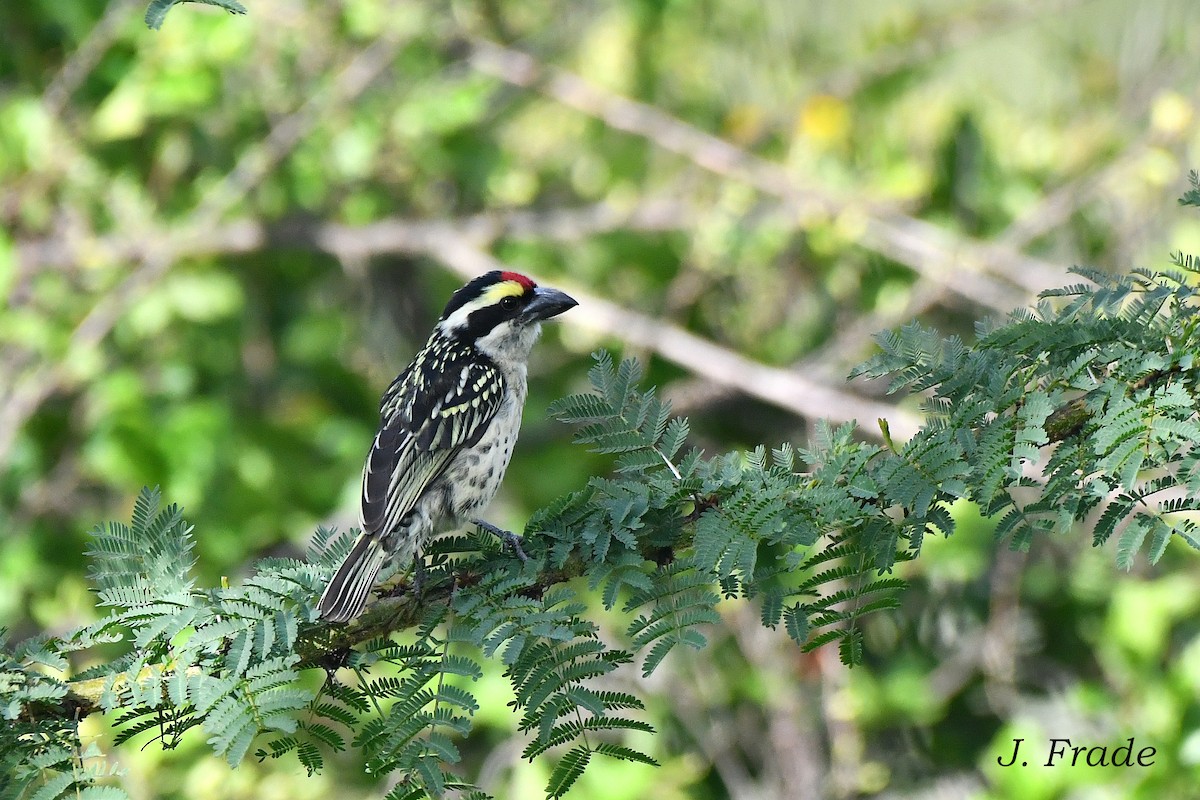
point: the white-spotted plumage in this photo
(448, 425)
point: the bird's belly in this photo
(479, 472)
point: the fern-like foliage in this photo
(414, 735)
(1192, 196)
(40, 752)
(1106, 373)
(221, 659)
(755, 525)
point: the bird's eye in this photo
(510, 303)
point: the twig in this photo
(322, 645)
(1000, 644)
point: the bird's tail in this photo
(346, 594)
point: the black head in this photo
(497, 297)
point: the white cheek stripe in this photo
(459, 317)
(491, 296)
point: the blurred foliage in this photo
(144, 341)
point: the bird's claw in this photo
(508, 538)
(419, 575)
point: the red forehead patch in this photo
(519, 278)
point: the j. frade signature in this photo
(1061, 752)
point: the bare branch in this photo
(323, 644)
(780, 387)
(983, 273)
(85, 57)
(456, 244)
(385, 236)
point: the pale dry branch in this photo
(84, 58)
(993, 276)
(782, 388)
(1051, 211)
(383, 237)
(457, 244)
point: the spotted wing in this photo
(427, 417)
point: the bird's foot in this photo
(510, 539)
(419, 574)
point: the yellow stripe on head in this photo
(501, 290)
(486, 291)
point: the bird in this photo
(447, 426)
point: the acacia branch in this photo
(323, 645)
(1070, 418)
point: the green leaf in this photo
(567, 771)
(1131, 541)
(157, 11)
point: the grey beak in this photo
(547, 303)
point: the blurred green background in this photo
(220, 241)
